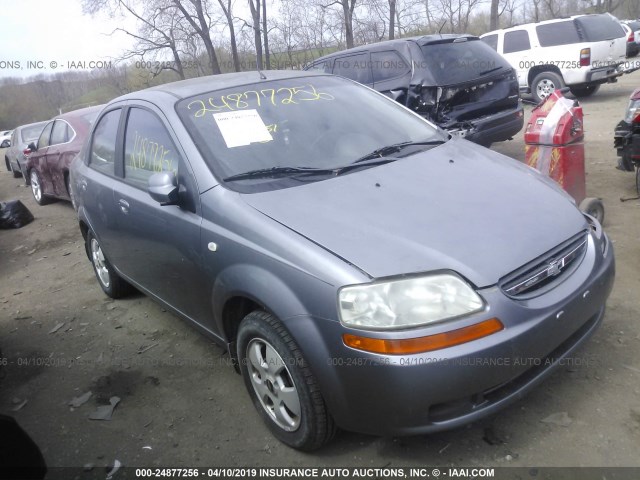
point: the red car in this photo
(47, 169)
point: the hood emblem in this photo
(555, 267)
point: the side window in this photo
(103, 146)
(322, 66)
(60, 132)
(516, 41)
(356, 67)
(386, 65)
(43, 141)
(491, 40)
(559, 33)
(148, 148)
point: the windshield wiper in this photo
(395, 148)
(279, 171)
(489, 71)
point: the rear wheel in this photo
(584, 91)
(109, 280)
(16, 173)
(36, 188)
(281, 385)
(544, 84)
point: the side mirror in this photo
(32, 146)
(5, 144)
(163, 188)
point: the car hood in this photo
(458, 206)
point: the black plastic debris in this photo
(14, 214)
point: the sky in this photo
(48, 36)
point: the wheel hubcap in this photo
(273, 384)
(99, 263)
(545, 88)
(35, 186)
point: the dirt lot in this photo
(183, 405)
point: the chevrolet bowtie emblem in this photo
(555, 268)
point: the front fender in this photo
(259, 285)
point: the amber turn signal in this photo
(408, 346)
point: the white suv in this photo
(580, 52)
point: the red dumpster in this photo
(554, 145)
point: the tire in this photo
(7, 163)
(109, 280)
(594, 207)
(544, 84)
(16, 173)
(270, 362)
(624, 161)
(36, 188)
(585, 91)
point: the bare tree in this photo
(157, 23)
(493, 16)
(347, 7)
(254, 6)
(392, 19)
(227, 6)
(200, 20)
(265, 35)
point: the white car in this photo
(580, 52)
(5, 136)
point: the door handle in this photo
(124, 205)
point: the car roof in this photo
(543, 22)
(35, 124)
(420, 40)
(81, 112)
(194, 86)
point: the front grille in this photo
(546, 270)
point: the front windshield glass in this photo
(309, 122)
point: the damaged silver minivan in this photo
(456, 81)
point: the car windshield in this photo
(30, 134)
(276, 134)
(461, 61)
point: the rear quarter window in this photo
(560, 33)
(598, 28)
(388, 65)
(491, 40)
(356, 67)
(516, 41)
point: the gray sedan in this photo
(15, 158)
(364, 271)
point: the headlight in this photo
(407, 303)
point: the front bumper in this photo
(443, 389)
(491, 128)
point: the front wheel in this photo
(281, 385)
(544, 84)
(584, 91)
(109, 280)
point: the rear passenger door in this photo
(60, 136)
(356, 67)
